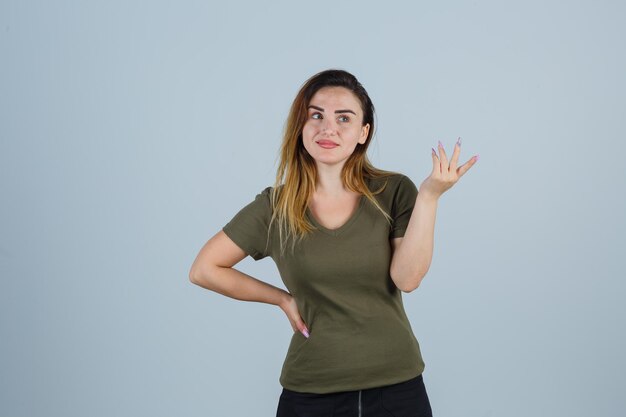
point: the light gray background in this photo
(131, 132)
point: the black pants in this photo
(404, 399)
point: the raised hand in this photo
(444, 175)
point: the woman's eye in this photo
(317, 115)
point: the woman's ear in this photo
(364, 131)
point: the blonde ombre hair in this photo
(297, 172)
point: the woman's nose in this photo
(328, 125)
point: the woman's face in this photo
(333, 127)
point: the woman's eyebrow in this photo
(336, 111)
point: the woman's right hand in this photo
(290, 308)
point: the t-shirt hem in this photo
(326, 389)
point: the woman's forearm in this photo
(412, 258)
(240, 286)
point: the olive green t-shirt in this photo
(360, 336)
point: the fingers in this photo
(295, 319)
(299, 326)
(455, 155)
(302, 327)
(463, 168)
(436, 164)
(440, 163)
(443, 157)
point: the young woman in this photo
(347, 239)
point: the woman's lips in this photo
(327, 144)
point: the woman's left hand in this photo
(444, 174)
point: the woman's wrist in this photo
(285, 298)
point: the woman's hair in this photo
(297, 172)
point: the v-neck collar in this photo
(347, 224)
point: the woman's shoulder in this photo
(261, 201)
(266, 195)
(390, 180)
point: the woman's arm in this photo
(213, 270)
(413, 253)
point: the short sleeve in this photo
(249, 227)
(402, 208)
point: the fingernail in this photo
(434, 153)
(305, 333)
(477, 156)
(458, 142)
(440, 143)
